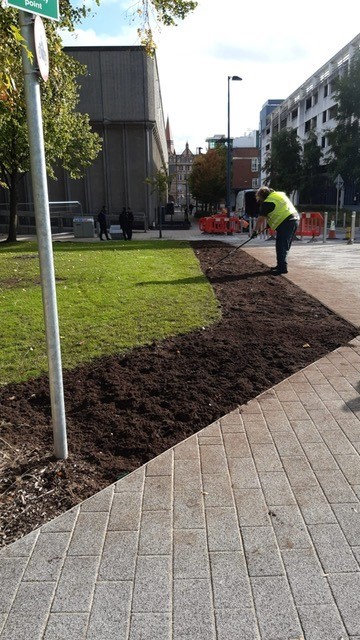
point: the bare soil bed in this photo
(126, 409)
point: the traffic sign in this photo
(339, 182)
(41, 48)
(45, 8)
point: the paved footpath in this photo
(248, 530)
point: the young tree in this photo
(207, 180)
(344, 139)
(283, 166)
(160, 185)
(311, 176)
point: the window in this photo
(255, 164)
(294, 114)
(324, 116)
(308, 103)
(323, 142)
(283, 124)
(267, 148)
(314, 122)
(268, 131)
(255, 183)
(333, 112)
(307, 126)
(326, 90)
(315, 98)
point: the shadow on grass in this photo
(194, 280)
(111, 245)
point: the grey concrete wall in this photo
(121, 94)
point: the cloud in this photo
(272, 52)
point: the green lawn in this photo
(111, 297)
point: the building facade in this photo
(245, 162)
(121, 93)
(180, 167)
(312, 107)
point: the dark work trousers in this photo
(103, 229)
(285, 233)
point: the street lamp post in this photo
(228, 157)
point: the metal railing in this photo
(61, 216)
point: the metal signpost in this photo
(33, 33)
(339, 183)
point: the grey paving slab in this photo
(153, 584)
(251, 508)
(110, 611)
(346, 589)
(190, 554)
(321, 622)
(230, 580)
(306, 577)
(147, 626)
(332, 548)
(275, 608)
(248, 530)
(62, 626)
(29, 612)
(236, 623)
(262, 552)
(194, 617)
(11, 572)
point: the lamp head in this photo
(236, 78)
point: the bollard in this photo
(352, 233)
(325, 226)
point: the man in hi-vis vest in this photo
(278, 213)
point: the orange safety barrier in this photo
(202, 223)
(311, 224)
(220, 223)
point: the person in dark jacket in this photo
(102, 224)
(130, 222)
(126, 220)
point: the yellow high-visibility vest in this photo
(283, 209)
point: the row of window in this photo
(328, 114)
(312, 100)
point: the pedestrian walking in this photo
(277, 212)
(126, 219)
(102, 224)
(130, 222)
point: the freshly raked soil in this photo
(124, 410)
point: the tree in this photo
(207, 180)
(165, 12)
(69, 140)
(344, 139)
(160, 184)
(283, 166)
(311, 176)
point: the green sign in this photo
(45, 8)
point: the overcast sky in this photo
(274, 47)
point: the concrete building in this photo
(311, 107)
(121, 93)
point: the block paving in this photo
(247, 530)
